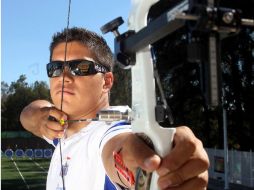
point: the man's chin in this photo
(64, 106)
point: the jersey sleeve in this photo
(113, 130)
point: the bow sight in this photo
(201, 27)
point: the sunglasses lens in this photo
(57, 73)
(54, 69)
(81, 68)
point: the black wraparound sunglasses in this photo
(80, 67)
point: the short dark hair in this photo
(94, 42)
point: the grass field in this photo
(23, 173)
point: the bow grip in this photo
(161, 138)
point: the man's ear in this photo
(108, 79)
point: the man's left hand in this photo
(185, 167)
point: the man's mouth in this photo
(65, 91)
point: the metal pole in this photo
(251, 177)
(225, 139)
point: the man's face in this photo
(82, 95)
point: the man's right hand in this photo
(42, 119)
(51, 127)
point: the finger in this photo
(56, 126)
(200, 183)
(57, 114)
(189, 170)
(52, 128)
(136, 153)
(50, 133)
(54, 117)
(56, 132)
(185, 144)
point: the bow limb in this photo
(143, 90)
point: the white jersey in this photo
(81, 158)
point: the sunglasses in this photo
(80, 67)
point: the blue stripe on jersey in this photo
(55, 141)
(108, 185)
(116, 125)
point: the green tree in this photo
(4, 91)
(20, 83)
(16, 97)
(121, 91)
(41, 90)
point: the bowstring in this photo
(62, 94)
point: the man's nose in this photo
(67, 73)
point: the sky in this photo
(27, 27)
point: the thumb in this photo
(136, 153)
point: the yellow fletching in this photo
(61, 121)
